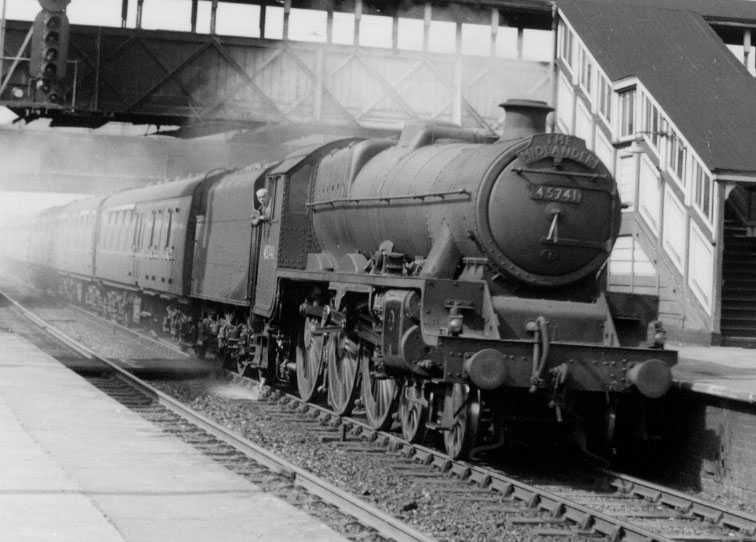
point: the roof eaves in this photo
(733, 175)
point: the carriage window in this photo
(159, 229)
(168, 229)
(106, 231)
(132, 230)
(146, 231)
(138, 231)
(152, 229)
(113, 238)
(112, 230)
(119, 229)
(123, 230)
(126, 230)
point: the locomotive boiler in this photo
(449, 281)
(543, 210)
(491, 258)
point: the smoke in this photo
(43, 167)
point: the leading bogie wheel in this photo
(461, 416)
(309, 359)
(413, 410)
(379, 393)
(343, 356)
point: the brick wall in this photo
(713, 444)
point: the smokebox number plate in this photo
(557, 193)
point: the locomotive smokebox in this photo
(524, 117)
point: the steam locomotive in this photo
(449, 281)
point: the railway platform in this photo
(713, 405)
(79, 466)
(718, 371)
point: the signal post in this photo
(49, 52)
(37, 82)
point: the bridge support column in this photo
(494, 29)
(428, 12)
(746, 47)
(357, 19)
(287, 14)
(457, 105)
(194, 15)
(124, 12)
(263, 17)
(213, 15)
(395, 31)
(140, 3)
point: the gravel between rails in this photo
(11, 321)
(444, 508)
(110, 341)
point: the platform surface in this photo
(720, 371)
(75, 465)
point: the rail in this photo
(559, 507)
(385, 524)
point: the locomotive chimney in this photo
(524, 117)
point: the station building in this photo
(668, 105)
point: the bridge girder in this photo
(206, 83)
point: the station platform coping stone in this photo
(76, 465)
(719, 371)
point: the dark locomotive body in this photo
(449, 280)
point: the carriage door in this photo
(133, 272)
(267, 256)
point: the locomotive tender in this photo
(450, 280)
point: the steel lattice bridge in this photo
(206, 82)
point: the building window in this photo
(566, 45)
(626, 100)
(676, 154)
(652, 121)
(680, 164)
(586, 71)
(702, 191)
(605, 98)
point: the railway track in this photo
(616, 505)
(360, 520)
(613, 505)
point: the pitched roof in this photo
(729, 10)
(687, 68)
